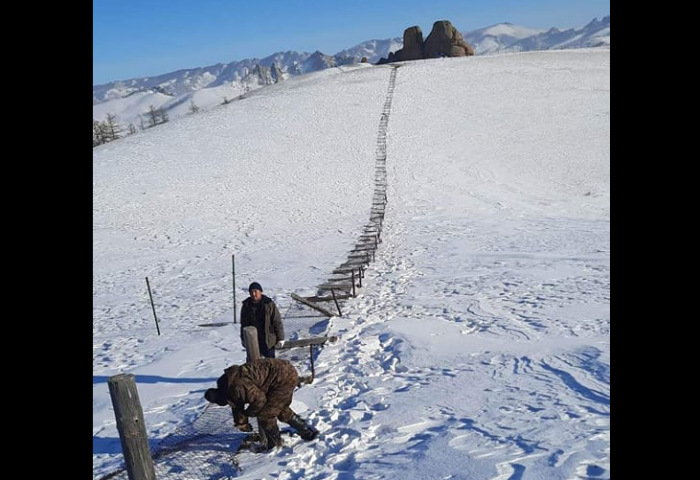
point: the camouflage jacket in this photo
(254, 381)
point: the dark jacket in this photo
(266, 384)
(273, 330)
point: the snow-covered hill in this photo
(479, 345)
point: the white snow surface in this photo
(479, 347)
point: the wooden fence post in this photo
(336, 303)
(251, 343)
(233, 274)
(131, 427)
(148, 285)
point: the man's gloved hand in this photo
(245, 427)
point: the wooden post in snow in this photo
(233, 274)
(251, 343)
(131, 427)
(148, 285)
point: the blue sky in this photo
(139, 38)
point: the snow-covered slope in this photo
(479, 346)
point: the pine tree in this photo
(163, 115)
(152, 116)
(97, 133)
(157, 116)
(112, 128)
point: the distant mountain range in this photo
(244, 76)
(506, 37)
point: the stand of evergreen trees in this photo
(109, 130)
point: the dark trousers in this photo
(264, 351)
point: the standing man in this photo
(260, 311)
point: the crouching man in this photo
(267, 386)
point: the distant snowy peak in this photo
(506, 37)
(173, 84)
(506, 30)
(241, 72)
(185, 81)
(498, 37)
(595, 34)
(319, 61)
(373, 50)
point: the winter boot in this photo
(305, 432)
(270, 438)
